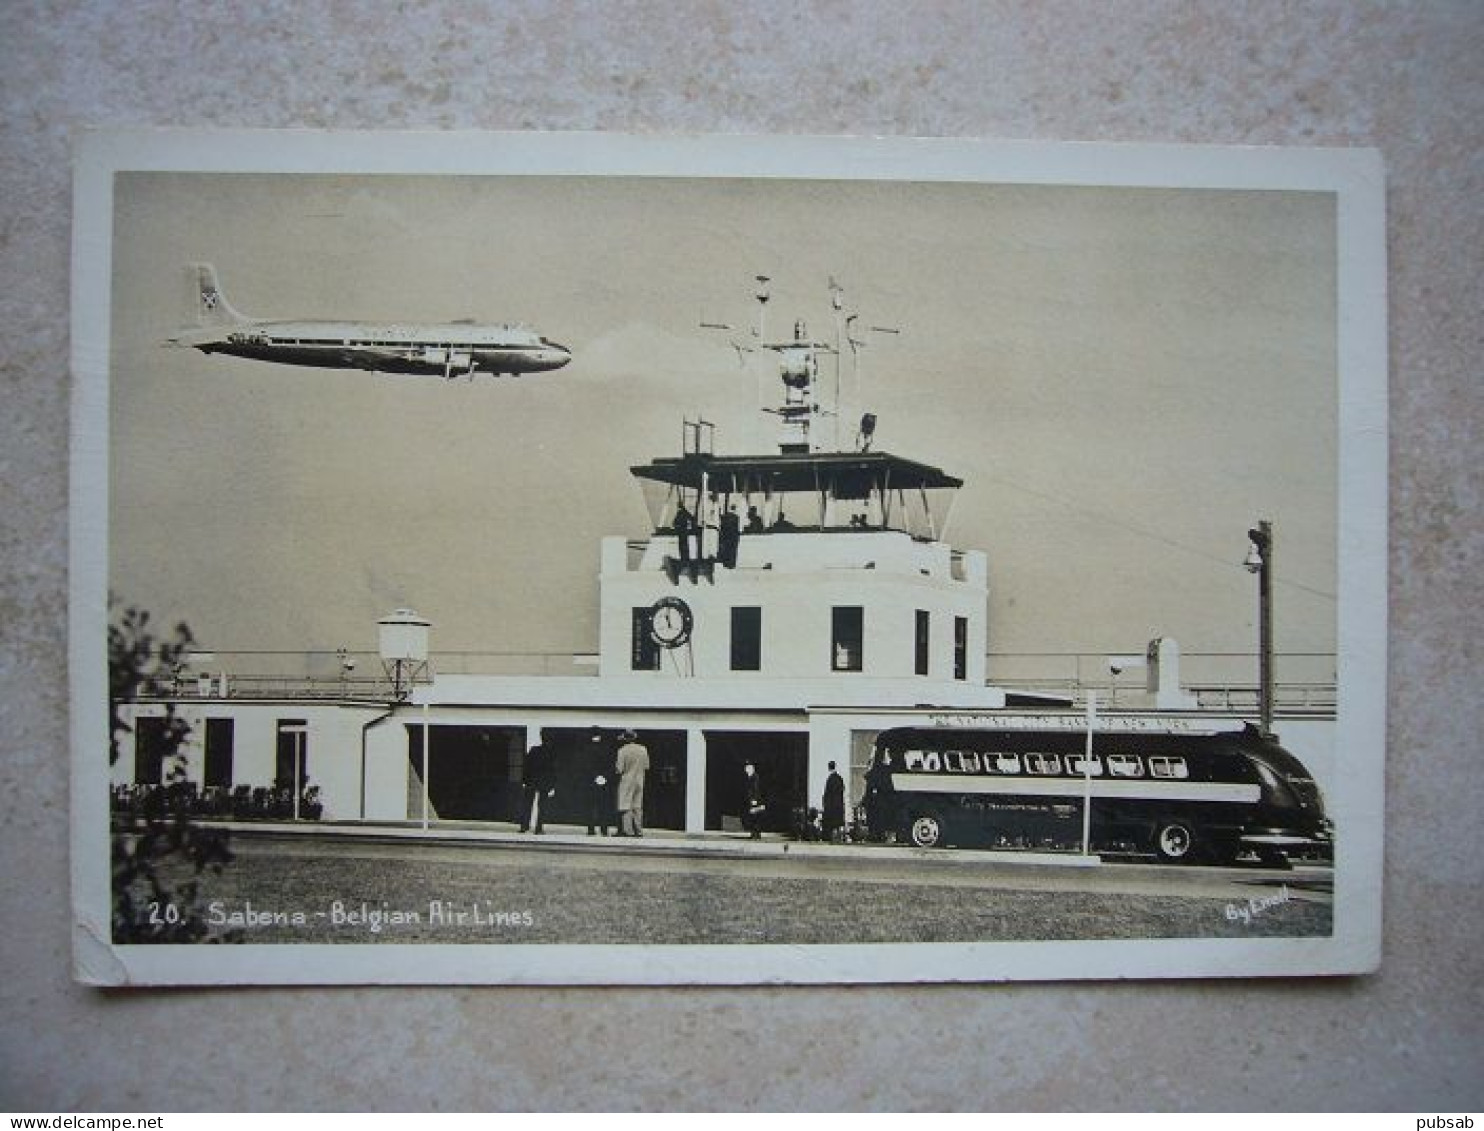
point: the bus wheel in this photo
(1274, 858)
(927, 831)
(1173, 842)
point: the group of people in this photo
(612, 783)
(830, 816)
(689, 533)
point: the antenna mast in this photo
(798, 370)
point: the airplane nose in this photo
(560, 354)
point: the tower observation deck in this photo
(802, 563)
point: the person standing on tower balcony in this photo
(685, 525)
(633, 764)
(730, 536)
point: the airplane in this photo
(448, 350)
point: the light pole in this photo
(1260, 561)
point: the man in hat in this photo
(834, 805)
(597, 766)
(633, 764)
(755, 807)
(536, 780)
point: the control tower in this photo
(814, 562)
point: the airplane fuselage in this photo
(447, 350)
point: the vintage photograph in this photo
(604, 560)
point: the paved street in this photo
(359, 889)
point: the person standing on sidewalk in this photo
(752, 799)
(597, 771)
(536, 785)
(833, 816)
(633, 765)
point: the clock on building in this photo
(670, 622)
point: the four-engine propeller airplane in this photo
(448, 350)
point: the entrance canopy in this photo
(789, 491)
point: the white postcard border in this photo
(1354, 175)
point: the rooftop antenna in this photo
(698, 436)
(857, 340)
(742, 348)
(837, 307)
(763, 294)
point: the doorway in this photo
(782, 762)
(473, 772)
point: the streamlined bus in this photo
(1185, 797)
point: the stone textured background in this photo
(1407, 78)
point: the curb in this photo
(673, 844)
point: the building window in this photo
(292, 762)
(847, 638)
(644, 655)
(151, 739)
(747, 639)
(1168, 768)
(219, 736)
(960, 647)
(924, 628)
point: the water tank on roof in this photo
(404, 636)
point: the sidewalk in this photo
(653, 842)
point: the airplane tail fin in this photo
(208, 305)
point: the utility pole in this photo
(1260, 561)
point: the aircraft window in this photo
(1043, 763)
(1075, 766)
(913, 759)
(931, 762)
(1007, 763)
(1125, 766)
(1168, 768)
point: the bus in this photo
(1184, 797)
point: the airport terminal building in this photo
(783, 609)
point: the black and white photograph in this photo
(590, 559)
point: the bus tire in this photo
(1174, 842)
(926, 830)
(1274, 858)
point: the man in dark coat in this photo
(755, 808)
(881, 797)
(730, 534)
(599, 779)
(535, 780)
(685, 526)
(833, 816)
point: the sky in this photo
(1125, 379)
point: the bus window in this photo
(1168, 768)
(931, 762)
(971, 762)
(912, 759)
(1125, 766)
(1075, 765)
(1007, 763)
(1042, 764)
(953, 761)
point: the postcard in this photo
(598, 559)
